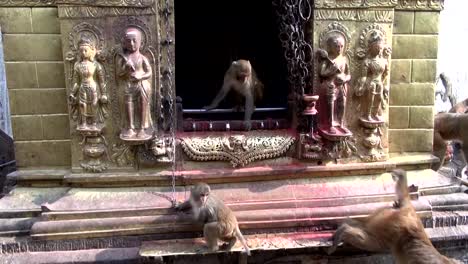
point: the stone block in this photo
(424, 71)
(21, 75)
(27, 127)
(43, 153)
(426, 22)
(415, 47)
(56, 126)
(400, 71)
(15, 19)
(403, 22)
(45, 20)
(28, 153)
(411, 94)
(56, 153)
(25, 101)
(38, 101)
(51, 74)
(12, 101)
(54, 101)
(410, 140)
(398, 117)
(422, 117)
(31, 47)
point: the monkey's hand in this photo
(182, 207)
(209, 107)
(396, 204)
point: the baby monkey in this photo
(219, 222)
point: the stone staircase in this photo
(50, 214)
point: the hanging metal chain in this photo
(293, 16)
(167, 87)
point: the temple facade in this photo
(112, 124)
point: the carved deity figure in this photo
(334, 75)
(135, 70)
(373, 83)
(89, 88)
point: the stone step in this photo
(136, 210)
(112, 255)
(278, 241)
(273, 218)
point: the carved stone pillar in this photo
(114, 84)
(353, 24)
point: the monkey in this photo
(440, 143)
(398, 229)
(461, 107)
(449, 126)
(219, 222)
(448, 89)
(241, 78)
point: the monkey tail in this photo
(402, 187)
(242, 240)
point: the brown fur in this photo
(397, 229)
(219, 221)
(242, 78)
(449, 126)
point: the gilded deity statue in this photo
(334, 77)
(373, 84)
(135, 71)
(88, 96)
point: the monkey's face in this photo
(243, 69)
(203, 198)
(200, 194)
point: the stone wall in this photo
(36, 79)
(36, 83)
(413, 72)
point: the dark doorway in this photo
(211, 34)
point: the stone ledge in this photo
(407, 161)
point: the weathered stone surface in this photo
(424, 71)
(30, 198)
(415, 47)
(24, 101)
(400, 71)
(42, 153)
(421, 117)
(45, 20)
(38, 101)
(16, 73)
(398, 117)
(33, 47)
(56, 126)
(412, 94)
(56, 101)
(51, 74)
(15, 20)
(410, 140)
(403, 22)
(426, 22)
(27, 127)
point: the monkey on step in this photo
(219, 222)
(397, 229)
(241, 78)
